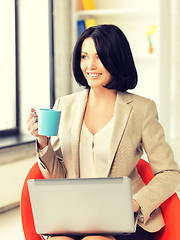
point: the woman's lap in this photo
(140, 234)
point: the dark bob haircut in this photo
(115, 54)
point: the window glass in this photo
(34, 57)
(8, 65)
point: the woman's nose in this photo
(92, 64)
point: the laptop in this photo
(82, 206)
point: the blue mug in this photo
(48, 122)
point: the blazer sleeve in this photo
(51, 162)
(161, 159)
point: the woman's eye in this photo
(83, 56)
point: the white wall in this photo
(62, 47)
(12, 176)
(175, 79)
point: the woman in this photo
(104, 129)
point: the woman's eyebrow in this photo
(84, 52)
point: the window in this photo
(35, 56)
(27, 60)
(8, 74)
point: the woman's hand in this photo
(136, 206)
(32, 127)
(32, 124)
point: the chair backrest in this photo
(170, 208)
(26, 210)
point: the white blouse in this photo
(94, 151)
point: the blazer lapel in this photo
(121, 115)
(77, 120)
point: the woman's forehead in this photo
(88, 46)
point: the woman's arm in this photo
(50, 162)
(161, 159)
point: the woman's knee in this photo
(60, 238)
(97, 237)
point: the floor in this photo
(10, 225)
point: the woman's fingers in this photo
(31, 115)
(31, 123)
(33, 127)
(136, 206)
(33, 110)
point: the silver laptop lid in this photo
(82, 206)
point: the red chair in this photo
(170, 208)
(26, 211)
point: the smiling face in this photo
(92, 67)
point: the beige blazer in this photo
(136, 129)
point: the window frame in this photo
(51, 54)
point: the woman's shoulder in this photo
(72, 98)
(140, 104)
(75, 97)
(132, 97)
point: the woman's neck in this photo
(101, 94)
